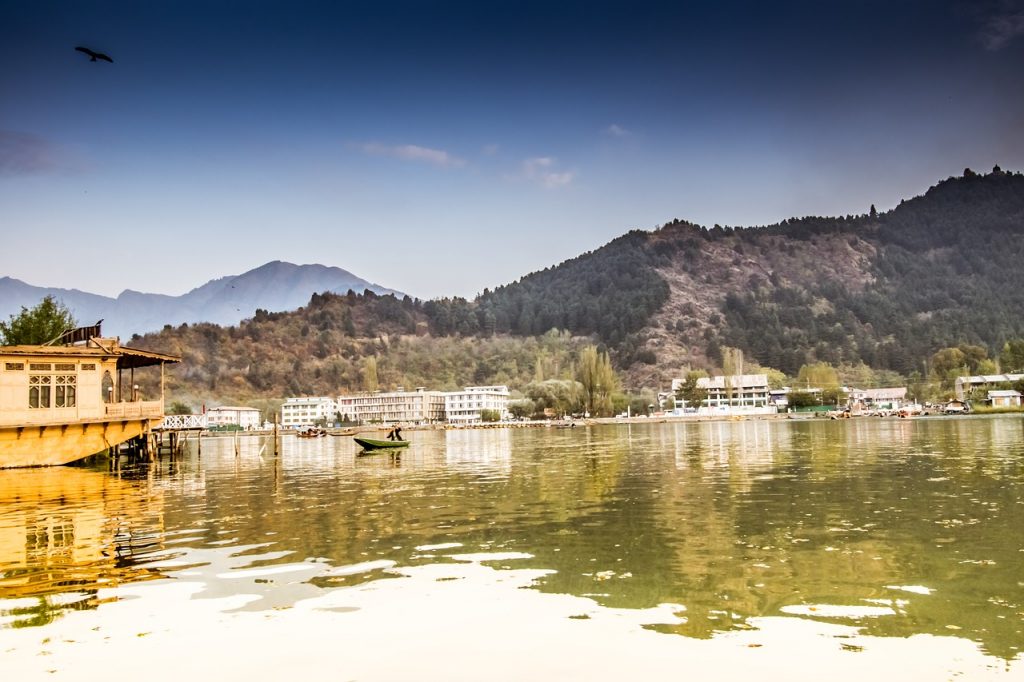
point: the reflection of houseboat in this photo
(72, 531)
(62, 403)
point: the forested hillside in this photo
(886, 290)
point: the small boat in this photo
(312, 433)
(374, 444)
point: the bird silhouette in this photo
(93, 56)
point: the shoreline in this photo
(595, 421)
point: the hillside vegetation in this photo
(886, 290)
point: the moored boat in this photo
(60, 403)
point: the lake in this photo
(781, 550)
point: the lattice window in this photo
(39, 390)
(88, 367)
(40, 366)
(64, 367)
(65, 390)
(15, 366)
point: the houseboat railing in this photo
(152, 409)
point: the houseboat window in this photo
(40, 367)
(15, 366)
(64, 394)
(39, 391)
(90, 367)
(107, 386)
(64, 367)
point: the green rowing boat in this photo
(374, 444)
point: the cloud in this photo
(412, 152)
(615, 130)
(1004, 25)
(27, 154)
(541, 169)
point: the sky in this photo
(440, 148)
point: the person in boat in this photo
(395, 433)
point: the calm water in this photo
(781, 550)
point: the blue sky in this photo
(441, 148)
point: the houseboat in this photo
(61, 403)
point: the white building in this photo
(1004, 398)
(464, 407)
(877, 398)
(407, 407)
(299, 412)
(965, 386)
(246, 417)
(736, 394)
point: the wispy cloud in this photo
(27, 154)
(1003, 25)
(413, 152)
(615, 130)
(542, 170)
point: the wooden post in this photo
(275, 435)
(199, 443)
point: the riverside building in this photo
(245, 417)
(391, 407)
(735, 394)
(307, 411)
(467, 406)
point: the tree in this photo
(832, 395)
(818, 375)
(521, 409)
(370, 374)
(560, 395)
(1012, 357)
(688, 390)
(801, 399)
(490, 416)
(732, 365)
(873, 213)
(598, 379)
(41, 324)
(973, 356)
(948, 364)
(179, 407)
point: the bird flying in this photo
(93, 56)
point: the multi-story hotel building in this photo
(407, 407)
(736, 394)
(245, 417)
(298, 412)
(464, 407)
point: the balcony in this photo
(148, 409)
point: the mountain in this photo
(883, 289)
(274, 286)
(877, 291)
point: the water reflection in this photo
(879, 528)
(65, 533)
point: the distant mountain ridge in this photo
(275, 286)
(877, 291)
